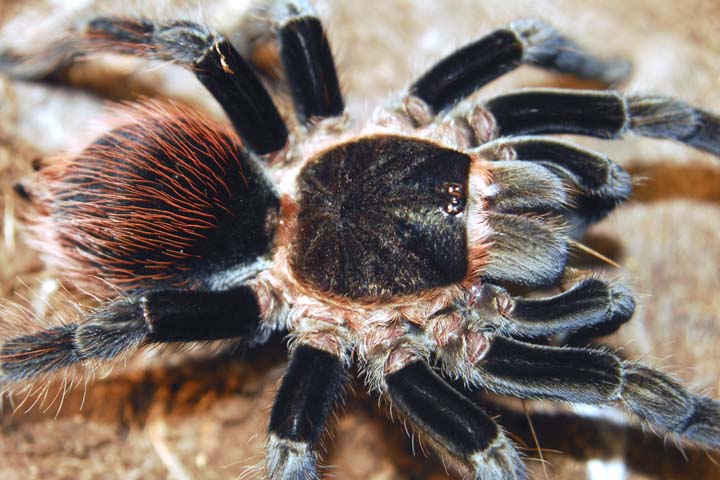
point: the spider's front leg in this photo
(511, 367)
(597, 184)
(604, 114)
(452, 423)
(591, 305)
(472, 346)
(530, 41)
(529, 200)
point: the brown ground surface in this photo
(188, 416)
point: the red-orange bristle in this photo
(118, 205)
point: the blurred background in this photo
(199, 416)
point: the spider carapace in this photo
(383, 214)
(393, 243)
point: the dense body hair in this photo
(164, 199)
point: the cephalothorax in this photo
(390, 243)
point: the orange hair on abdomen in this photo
(147, 203)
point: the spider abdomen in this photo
(166, 199)
(382, 216)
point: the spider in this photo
(390, 245)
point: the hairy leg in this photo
(307, 60)
(311, 388)
(597, 183)
(529, 41)
(603, 114)
(591, 304)
(215, 63)
(452, 423)
(121, 325)
(587, 376)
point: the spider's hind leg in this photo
(121, 325)
(211, 57)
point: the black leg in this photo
(214, 61)
(453, 423)
(598, 184)
(597, 377)
(308, 61)
(311, 388)
(529, 41)
(114, 328)
(604, 114)
(591, 303)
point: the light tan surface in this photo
(205, 419)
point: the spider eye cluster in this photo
(456, 200)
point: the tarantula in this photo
(391, 244)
